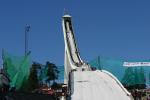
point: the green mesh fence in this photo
(134, 76)
(127, 75)
(17, 69)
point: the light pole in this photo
(27, 29)
(99, 63)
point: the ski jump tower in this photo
(83, 83)
(73, 60)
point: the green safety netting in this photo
(134, 76)
(17, 69)
(127, 75)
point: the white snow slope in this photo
(97, 85)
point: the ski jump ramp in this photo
(83, 83)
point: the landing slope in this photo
(97, 85)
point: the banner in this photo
(136, 64)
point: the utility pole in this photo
(27, 29)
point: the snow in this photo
(97, 85)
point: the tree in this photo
(33, 82)
(52, 72)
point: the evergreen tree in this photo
(33, 83)
(52, 72)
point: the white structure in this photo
(83, 83)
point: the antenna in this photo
(65, 11)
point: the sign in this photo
(136, 64)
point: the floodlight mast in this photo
(27, 29)
(3, 57)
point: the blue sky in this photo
(112, 28)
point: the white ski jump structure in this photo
(83, 83)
